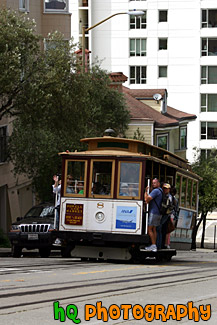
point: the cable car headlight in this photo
(99, 216)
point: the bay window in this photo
(56, 5)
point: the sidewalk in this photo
(210, 240)
(5, 252)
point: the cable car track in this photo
(114, 290)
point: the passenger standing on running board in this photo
(57, 190)
(154, 199)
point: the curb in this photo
(5, 252)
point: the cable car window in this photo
(101, 178)
(178, 183)
(75, 178)
(189, 193)
(194, 196)
(183, 193)
(129, 179)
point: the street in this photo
(36, 290)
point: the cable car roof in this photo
(122, 147)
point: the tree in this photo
(19, 48)
(138, 135)
(205, 167)
(57, 107)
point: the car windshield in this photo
(40, 212)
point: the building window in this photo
(205, 153)
(56, 5)
(162, 16)
(162, 71)
(163, 141)
(209, 18)
(24, 5)
(138, 22)
(138, 47)
(209, 46)
(138, 75)
(208, 102)
(209, 74)
(208, 130)
(162, 43)
(3, 144)
(183, 137)
(83, 3)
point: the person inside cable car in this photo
(69, 188)
(80, 188)
(97, 188)
(124, 189)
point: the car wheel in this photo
(16, 251)
(44, 252)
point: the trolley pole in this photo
(146, 212)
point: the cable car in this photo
(102, 211)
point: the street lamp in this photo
(84, 30)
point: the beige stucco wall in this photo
(19, 197)
(53, 22)
(16, 191)
(16, 195)
(45, 22)
(35, 12)
(3, 3)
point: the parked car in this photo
(34, 231)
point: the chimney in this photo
(164, 103)
(87, 57)
(117, 79)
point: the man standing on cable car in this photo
(154, 199)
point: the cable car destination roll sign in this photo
(74, 214)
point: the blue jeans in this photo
(57, 216)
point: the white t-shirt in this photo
(57, 191)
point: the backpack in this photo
(176, 209)
(166, 204)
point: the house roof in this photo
(117, 77)
(146, 93)
(139, 110)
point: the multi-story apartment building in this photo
(16, 195)
(172, 46)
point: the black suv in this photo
(34, 231)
